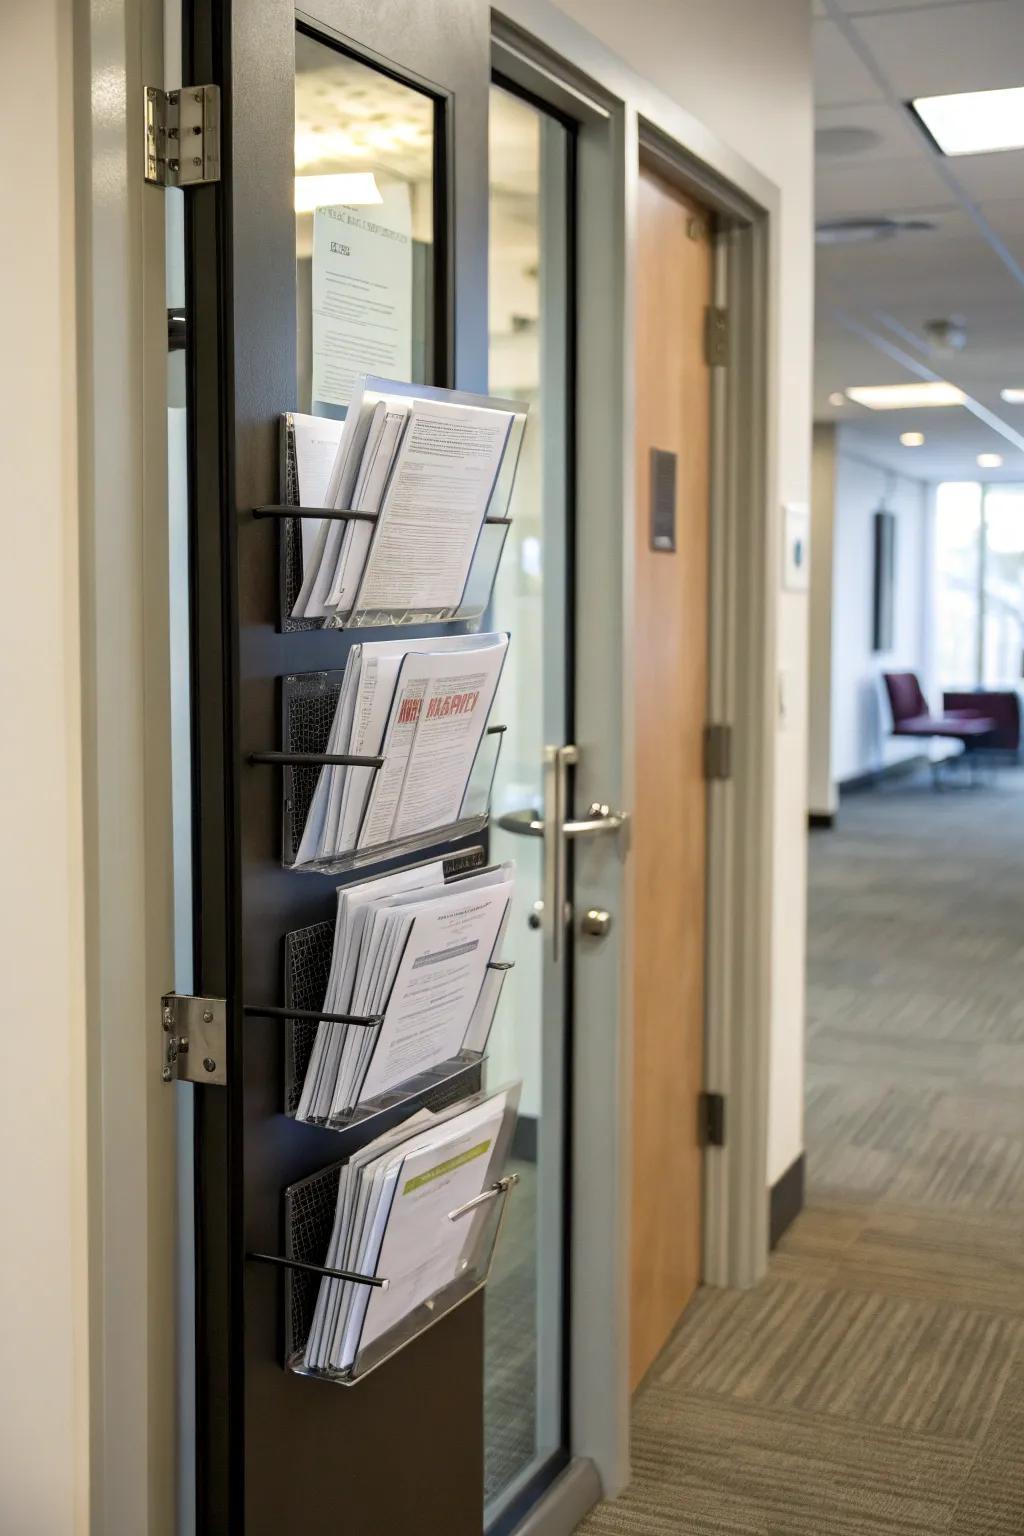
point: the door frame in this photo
(633, 117)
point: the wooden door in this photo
(673, 286)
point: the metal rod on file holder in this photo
(363, 1020)
(500, 965)
(320, 1269)
(315, 759)
(342, 514)
(501, 1188)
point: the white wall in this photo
(822, 796)
(44, 1382)
(743, 68)
(861, 720)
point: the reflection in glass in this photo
(364, 227)
(957, 570)
(529, 360)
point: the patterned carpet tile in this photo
(992, 1501)
(707, 1468)
(962, 1170)
(889, 1361)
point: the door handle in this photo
(525, 823)
(599, 818)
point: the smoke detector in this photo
(946, 336)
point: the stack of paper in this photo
(395, 1197)
(426, 471)
(423, 706)
(417, 950)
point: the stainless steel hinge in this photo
(711, 1109)
(718, 751)
(195, 1039)
(182, 146)
(716, 336)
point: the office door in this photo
(672, 289)
(381, 109)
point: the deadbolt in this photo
(596, 922)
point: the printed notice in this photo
(362, 294)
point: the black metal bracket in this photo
(314, 1015)
(315, 759)
(341, 515)
(319, 1269)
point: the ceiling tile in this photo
(991, 176)
(877, 187)
(874, 7)
(839, 74)
(897, 137)
(931, 50)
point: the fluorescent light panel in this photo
(906, 397)
(1012, 396)
(974, 122)
(350, 188)
(912, 439)
(990, 460)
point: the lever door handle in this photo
(525, 823)
(599, 818)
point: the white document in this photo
(378, 458)
(442, 698)
(362, 293)
(434, 508)
(316, 447)
(422, 1250)
(438, 982)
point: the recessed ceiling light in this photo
(974, 122)
(989, 460)
(1012, 396)
(906, 397)
(838, 398)
(912, 439)
(347, 189)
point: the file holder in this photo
(309, 1207)
(308, 704)
(490, 544)
(307, 965)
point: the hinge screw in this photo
(197, 160)
(209, 1064)
(173, 164)
(197, 96)
(207, 1016)
(168, 1018)
(197, 129)
(166, 1074)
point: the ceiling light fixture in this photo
(912, 439)
(348, 189)
(974, 122)
(990, 460)
(837, 397)
(906, 397)
(1012, 396)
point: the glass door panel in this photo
(530, 359)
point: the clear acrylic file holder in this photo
(309, 1208)
(307, 965)
(308, 703)
(486, 557)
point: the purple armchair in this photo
(911, 717)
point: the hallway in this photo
(874, 1382)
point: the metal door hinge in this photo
(716, 336)
(182, 146)
(711, 1108)
(195, 1044)
(718, 751)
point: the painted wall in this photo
(860, 716)
(44, 1402)
(822, 796)
(744, 69)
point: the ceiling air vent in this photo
(865, 231)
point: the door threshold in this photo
(570, 1497)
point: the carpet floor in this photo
(873, 1383)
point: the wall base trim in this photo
(821, 820)
(786, 1199)
(874, 776)
(569, 1499)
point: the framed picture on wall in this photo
(885, 581)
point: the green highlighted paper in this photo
(450, 1166)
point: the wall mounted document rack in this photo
(301, 523)
(307, 965)
(308, 705)
(309, 1214)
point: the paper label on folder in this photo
(362, 293)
